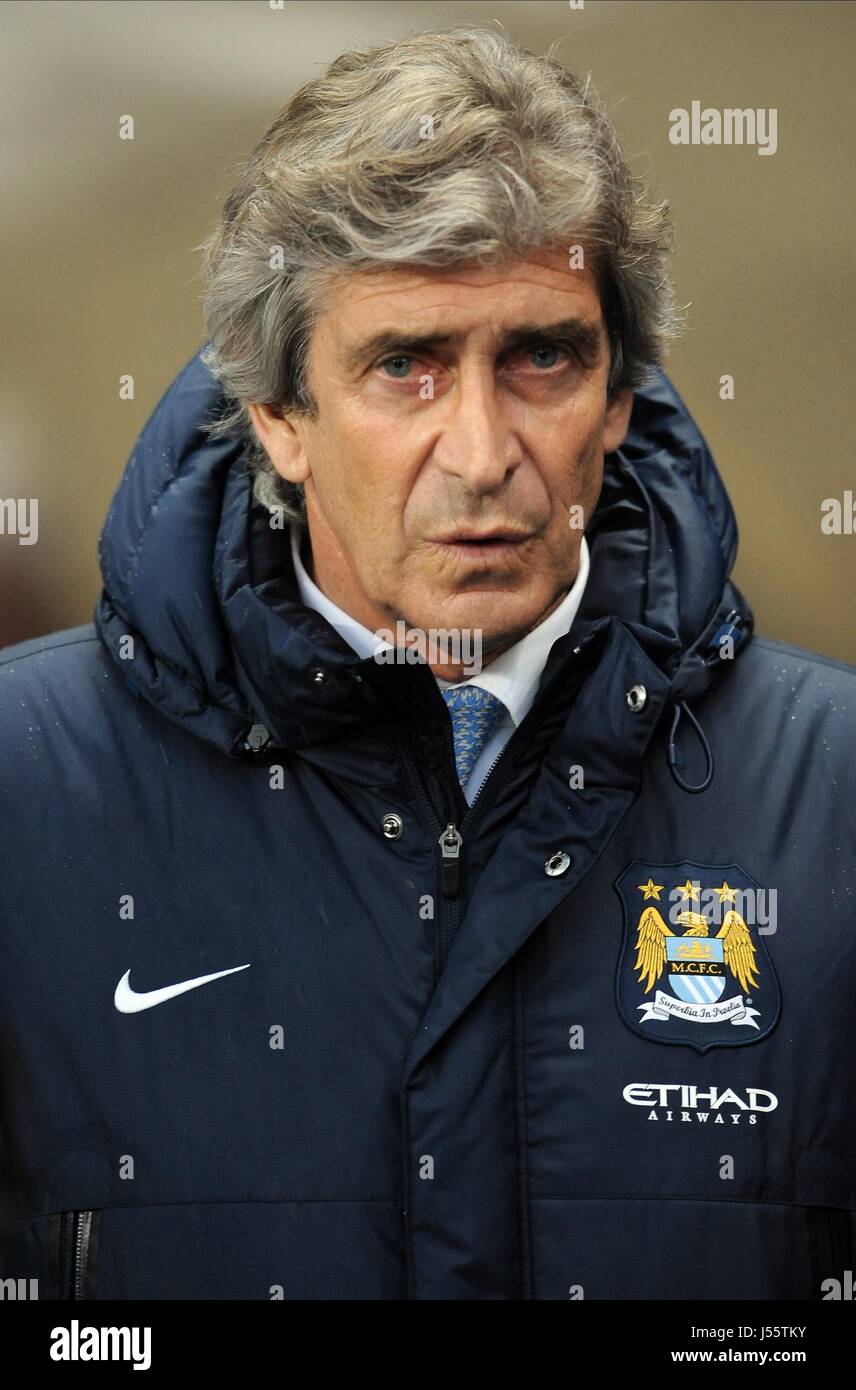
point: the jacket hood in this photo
(221, 643)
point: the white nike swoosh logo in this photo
(127, 1000)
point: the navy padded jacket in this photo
(557, 1073)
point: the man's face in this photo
(459, 431)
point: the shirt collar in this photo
(513, 676)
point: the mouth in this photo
(499, 544)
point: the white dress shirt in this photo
(512, 676)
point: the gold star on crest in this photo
(689, 890)
(650, 889)
(726, 894)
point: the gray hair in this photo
(437, 150)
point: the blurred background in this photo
(99, 278)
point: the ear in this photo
(281, 442)
(616, 420)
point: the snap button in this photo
(256, 739)
(392, 825)
(319, 676)
(557, 863)
(636, 697)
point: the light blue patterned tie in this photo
(475, 715)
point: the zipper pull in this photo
(450, 869)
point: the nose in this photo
(477, 443)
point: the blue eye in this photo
(388, 361)
(548, 348)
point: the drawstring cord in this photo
(674, 758)
(729, 630)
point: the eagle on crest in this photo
(738, 946)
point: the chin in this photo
(498, 615)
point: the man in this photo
(420, 883)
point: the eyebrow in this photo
(578, 334)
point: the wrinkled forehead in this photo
(368, 309)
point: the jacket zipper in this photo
(451, 840)
(75, 1229)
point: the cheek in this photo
(376, 461)
(365, 481)
(589, 471)
(576, 473)
(344, 464)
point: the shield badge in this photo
(694, 966)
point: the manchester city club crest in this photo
(694, 967)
